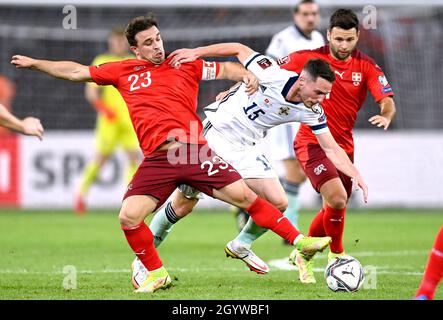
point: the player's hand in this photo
(380, 121)
(22, 61)
(358, 183)
(221, 95)
(182, 56)
(33, 127)
(251, 83)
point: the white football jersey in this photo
(246, 119)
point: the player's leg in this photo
(184, 200)
(152, 184)
(105, 142)
(271, 190)
(434, 270)
(329, 221)
(132, 214)
(291, 183)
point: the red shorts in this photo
(195, 165)
(319, 169)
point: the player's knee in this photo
(129, 218)
(245, 198)
(281, 203)
(338, 201)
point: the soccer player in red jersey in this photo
(356, 73)
(434, 270)
(162, 103)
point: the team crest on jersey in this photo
(264, 63)
(283, 60)
(284, 111)
(138, 68)
(356, 78)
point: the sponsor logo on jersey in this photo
(263, 88)
(319, 169)
(138, 68)
(317, 109)
(283, 60)
(264, 63)
(284, 111)
(340, 74)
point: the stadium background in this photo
(43, 244)
(401, 166)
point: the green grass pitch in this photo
(37, 245)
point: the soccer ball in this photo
(344, 273)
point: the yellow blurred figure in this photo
(114, 127)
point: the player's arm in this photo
(387, 113)
(341, 160)
(231, 49)
(93, 96)
(66, 70)
(236, 72)
(28, 126)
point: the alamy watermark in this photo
(70, 19)
(70, 280)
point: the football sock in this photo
(162, 223)
(89, 176)
(316, 229)
(130, 171)
(250, 233)
(334, 224)
(141, 241)
(434, 269)
(267, 216)
(293, 201)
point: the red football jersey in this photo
(162, 100)
(353, 78)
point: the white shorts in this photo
(247, 159)
(279, 142)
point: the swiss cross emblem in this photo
(209, 64)
(356, 76)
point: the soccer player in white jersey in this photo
(302, 35)
(236, 124)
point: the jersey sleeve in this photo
(264, 68)
(294, 61)
(315, 118)
(378, 85)
(106, 73)
(206, 70)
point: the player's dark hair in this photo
(343, 18)
(297, 7)
(137, 25)
(319, 68)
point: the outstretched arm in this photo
(28, 126)
(387, 113)
(230, 49)
(236, 72)
(66, 70)
(341, 161)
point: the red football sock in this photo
(267, 216)
(434, 269)
(316, 229)
(141, 240)
(334, 224)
